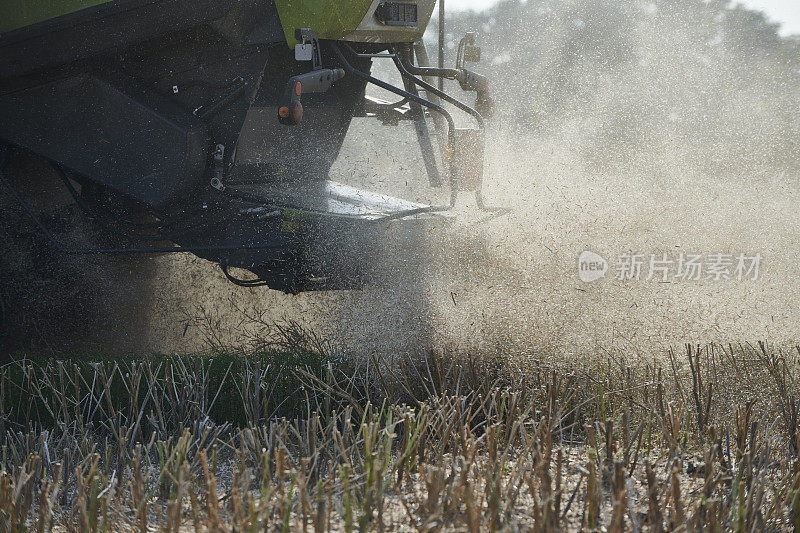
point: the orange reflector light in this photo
(283, 112)
(298, 88)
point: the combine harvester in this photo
(210, 126)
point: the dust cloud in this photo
(510, 282)
(623, 128)
(627, 127)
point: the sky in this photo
(786, 12)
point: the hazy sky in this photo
(787, 12)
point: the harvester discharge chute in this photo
(217, 122)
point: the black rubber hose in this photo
(448, 73)
(248, 283)
(451, 127)
(404, 71)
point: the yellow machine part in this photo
(330, 19)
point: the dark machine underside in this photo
(173, 111)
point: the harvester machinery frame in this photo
(283, 230)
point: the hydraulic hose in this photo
(405, 71)
(451, 125)
(451, 128)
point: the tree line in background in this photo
(702, 84)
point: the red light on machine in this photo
(298, 88)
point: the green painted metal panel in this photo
(330, 19)
(16, 14)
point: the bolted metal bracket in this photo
(468, 51)
(308, 49)
(218, 169)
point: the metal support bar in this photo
(423, 136)
(446, 97)
(423, 60)
(441, 42)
